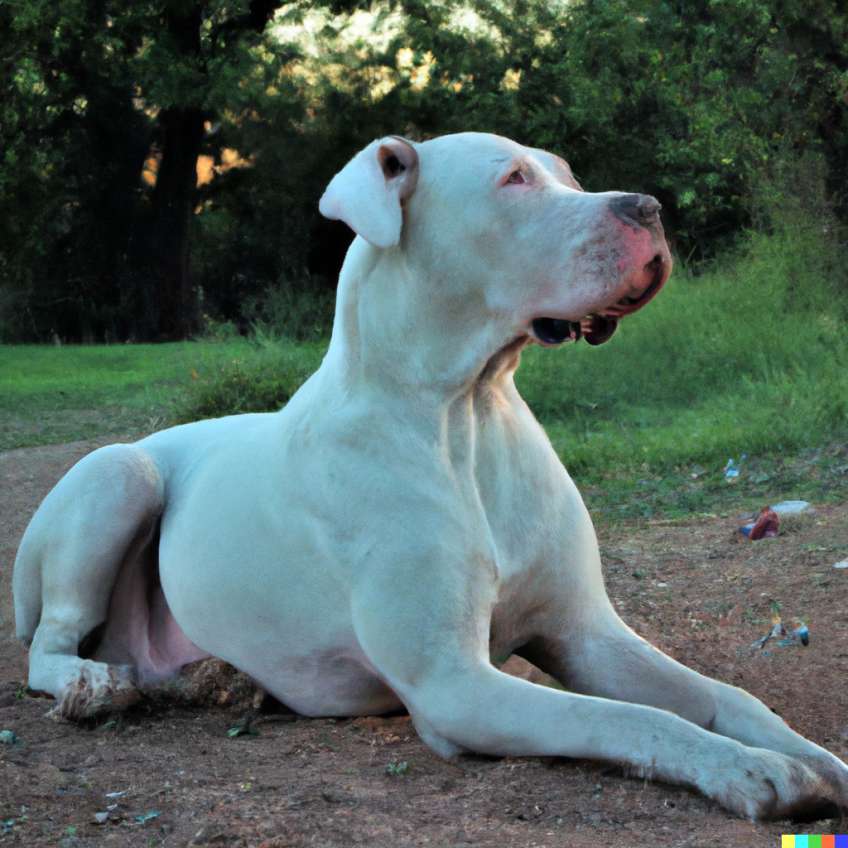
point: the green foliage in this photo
(90, 92)
(52, 394)
(397, 769)
(262, 380)
(292, 312)
(689, 102)
(70, 141)
(694, 102)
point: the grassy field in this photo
(57, 394)
(749, 359)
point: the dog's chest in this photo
(528, 499)
(521, 486)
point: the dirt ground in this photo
(695, 589)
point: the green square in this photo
(814, 840)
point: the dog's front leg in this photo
(604, 657)
(424, 628)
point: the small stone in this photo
(8, 737)
(209, 836)
(841, 564)
(101, 818)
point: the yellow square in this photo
(787, 840)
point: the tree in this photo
(73, 147)
(194, 70)
(94, 89)
(690, 101)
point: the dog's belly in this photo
(294, 636)
(327, 685)
(300, 649)
(271, 600)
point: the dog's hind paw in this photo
(97, 690)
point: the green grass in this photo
(751, 358)
(263, 375)
(58, 394)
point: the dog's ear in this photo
(368, 193)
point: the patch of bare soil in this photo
(695, 589)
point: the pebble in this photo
(210, 836)
(841, 564)
(7, 737)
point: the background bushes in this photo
(105, 108)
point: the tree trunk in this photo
(174, 297)
(171, 298)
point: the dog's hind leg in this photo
(104, 510)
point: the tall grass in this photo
(751, 357)
(262, 376)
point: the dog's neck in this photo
(405, 335)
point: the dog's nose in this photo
(640, 209)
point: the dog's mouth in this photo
(598, 327)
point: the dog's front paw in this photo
(759, 784)
(832, 772)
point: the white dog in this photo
(404, 518)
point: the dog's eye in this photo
(515, 178)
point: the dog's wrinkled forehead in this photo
(557, 166)
(487, 157)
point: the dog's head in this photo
(483, 220)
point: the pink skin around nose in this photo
(645, 263)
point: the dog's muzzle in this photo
(598, 328)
